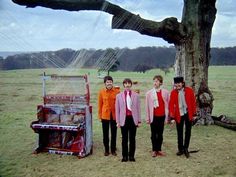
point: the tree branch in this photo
(169, 29)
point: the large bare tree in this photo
(191, 36)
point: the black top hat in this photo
(178, 79)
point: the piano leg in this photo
(42, 141)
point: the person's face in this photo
(156, 83)
(127, 85)
(179, 85)
(109, 84)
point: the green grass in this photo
(21, 90)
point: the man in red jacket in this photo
(182, 108)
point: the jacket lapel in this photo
(132, 97)
(123, 97)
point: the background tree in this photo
(142, 68)
(191, 36)
(114, 67)
(166, 69)
(108, 61)
(1, 62)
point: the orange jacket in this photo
(174, 104)
(106, 103)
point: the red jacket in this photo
(174, 104)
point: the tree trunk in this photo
(193, 54)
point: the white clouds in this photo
(226, 7)
(224, 33)
(12, 25)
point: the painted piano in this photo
(64, 120)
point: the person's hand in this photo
(194, 120)
(168, 121)
(139, 124)
(148, 121)
(195, 117)
(118, 125)
(171, 123)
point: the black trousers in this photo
(128, 132)
(105, 128)
(157, 128)
(182, 145)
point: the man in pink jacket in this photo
(128, 118)
(157, 101)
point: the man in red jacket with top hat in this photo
(182, 108)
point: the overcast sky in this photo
(42, 29)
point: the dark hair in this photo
(106, 78)
(127, 80)
(178, 79)
(158, 77)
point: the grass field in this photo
(21, 90)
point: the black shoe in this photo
(106, 154)
(114, 153)
(124, 159)
(132, 159)
(180, 153)
(186, 153)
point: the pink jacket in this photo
(149, 104)
(121, 108)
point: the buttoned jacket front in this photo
(106, 103)
(121, 108)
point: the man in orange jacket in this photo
(182, 108)
(107, 115)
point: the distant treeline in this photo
(129, 59)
